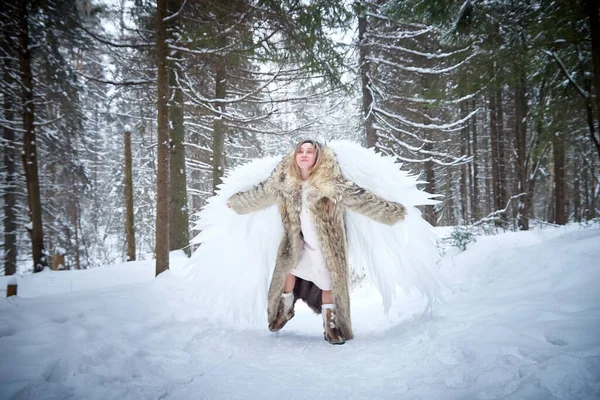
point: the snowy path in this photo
(521, 320)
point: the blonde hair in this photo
(294, 170)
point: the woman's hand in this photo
(228, 205)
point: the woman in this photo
(312, 194)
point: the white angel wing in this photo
(404, 255)
(233, 266)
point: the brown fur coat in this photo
(329, 194)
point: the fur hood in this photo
(322, 180)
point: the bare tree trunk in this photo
(162, 170)
(533, 161)
(594, 20)
(592, 188)
(30, 163)
(178, 220)
(75, 222)
(218, 143)
(489, 190)
(558, 145)
(589, 112)
(464, 149)
(502, 156)
(449, 199)
(520, 144)
(429, 211)
(586, 199)
(475, 174)
(95, 161)
(129, 217)
(195, 174)
(365, 78)
(528, 204)
(486, 164)
(537, 152)
(494, 148)
(577, 197)
(10, 196)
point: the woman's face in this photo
(306, 156)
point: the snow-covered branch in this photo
(581, 91)
(431, 71)
(455, 161)
(175, 14)
(418, 53)
(401, 35)
(133, 82)
(403, 120)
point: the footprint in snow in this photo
(555, 339)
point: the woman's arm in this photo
(260, 196)
(365, 202)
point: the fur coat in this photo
(329, 193)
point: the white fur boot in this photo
(285, 311)
(332, 333)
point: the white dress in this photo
(311, 266)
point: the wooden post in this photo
(11, 289)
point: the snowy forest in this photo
(120, 118)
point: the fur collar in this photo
(322, 180)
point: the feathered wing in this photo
(232, 268)
(403, 255)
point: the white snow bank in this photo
(520, 320)
(53, 282)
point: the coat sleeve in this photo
(259, 197)
(368, 204)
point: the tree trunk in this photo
(475, 174)
(178, 220)
(528, 201)
(494, 151)
(558, 146)
(218, 142)
(162, 167)
(592, 208)
(589, 112)
(95, 165)
(10, 195)
(365, 78)
(429, 211)
(586, 199)
(30, 163)
(577, 198)
(520, 145)
(449, 199)
(534, 160)
(502, 156)
(196, 184)
(75, 222)
(464, 144)
(178, 224)
(486, 164)
(594, 20)
(129, 217)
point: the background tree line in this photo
(119, 120)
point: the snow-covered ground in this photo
(520, 320)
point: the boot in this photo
(285, 312)
(332, 333)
